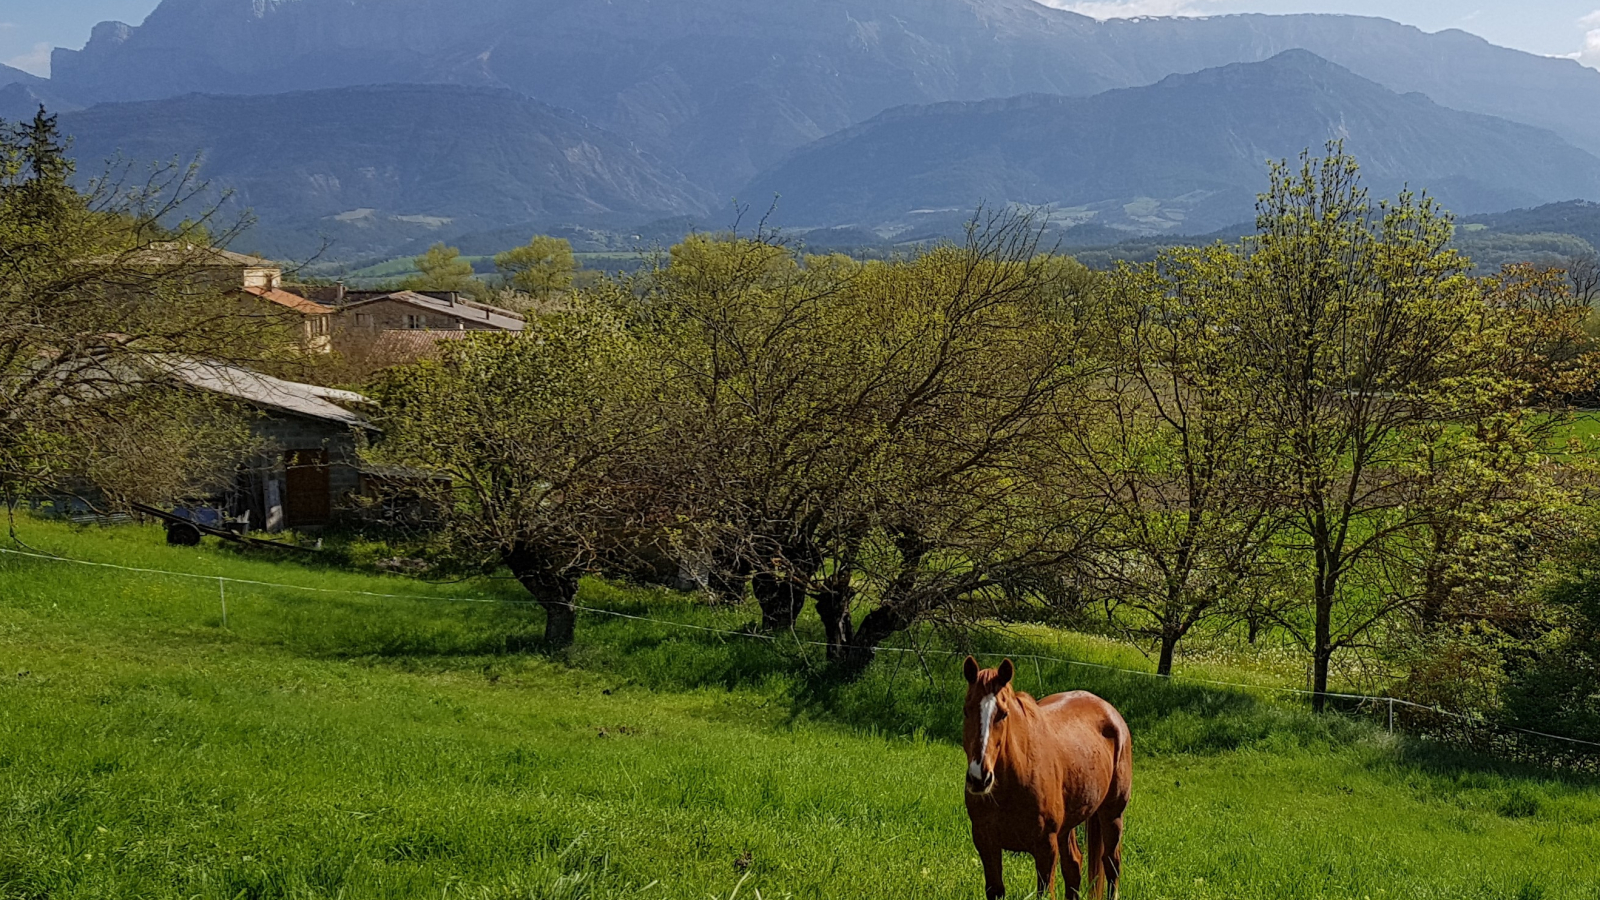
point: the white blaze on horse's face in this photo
(979, 779)
(985, 709)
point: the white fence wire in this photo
(1392, 703)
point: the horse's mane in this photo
(1026, 702)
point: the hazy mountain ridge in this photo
(373, 167)
(723, 89)
(1185, 155)
(9, 75)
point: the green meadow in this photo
(353, 746)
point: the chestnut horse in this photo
(1036, 770)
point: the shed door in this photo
(307, 488)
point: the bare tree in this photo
(91, 294)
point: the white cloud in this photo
(1128, 9)
(35, 61)
(1590, 54)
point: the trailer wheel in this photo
(182, 534)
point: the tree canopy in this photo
(94, 294)
(442, 268)
(542, 268)
(1329, 431)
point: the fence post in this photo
(1391, 715)
(222, 591)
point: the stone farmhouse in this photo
(410, 324)
(258, 281)
(394, 326)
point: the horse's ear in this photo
(971, 670)
(1006, 671)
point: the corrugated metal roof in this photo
(257, 389)
(168, 252)
(501, 319)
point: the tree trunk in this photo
(1169, 643)
(554, 585)
(781, 597)
(898, 611)
(1435, 584)
(1324, 589)
(878, 626)
(560, 623)
(782, 592)
(1172, 630)
(833, 607)
(1322, 652)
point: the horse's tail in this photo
(1097, 826)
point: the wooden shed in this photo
(308, 467)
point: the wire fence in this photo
(1390, 703)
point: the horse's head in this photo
(989, 701)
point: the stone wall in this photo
(261, 486)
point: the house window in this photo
(361, 320)
(415, 322)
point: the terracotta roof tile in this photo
(411, 344)
(293, 301)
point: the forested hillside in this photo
(372, 167)
(1186, 155)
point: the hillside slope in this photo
(21, 100)
(9, 75)
(370, 167)
(724, 88)
(357, 746)
(1580, 218)
(1188, 154)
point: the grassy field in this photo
(335, 745)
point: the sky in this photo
(29, 28)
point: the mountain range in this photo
(1188, 153)
(371, 167)
(597, 112)
(722, 89)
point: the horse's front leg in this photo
(994, 879)
(1045, 860)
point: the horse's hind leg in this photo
(1071, 862)
(1045, 860)
(1111, 844)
